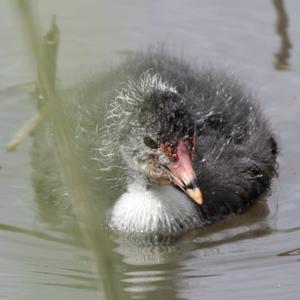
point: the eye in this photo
(149, 142)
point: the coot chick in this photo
(192, 143)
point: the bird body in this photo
(234, 155)
(192, 143)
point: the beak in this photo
(183, 174)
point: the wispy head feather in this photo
(121, 112)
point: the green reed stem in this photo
(45, 53)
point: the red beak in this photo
(183, 174)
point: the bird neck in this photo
(159, 209)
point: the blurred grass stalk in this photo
(45, 52)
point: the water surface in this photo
(255, 256)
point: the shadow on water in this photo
(282, 21)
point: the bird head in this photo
(156, 134)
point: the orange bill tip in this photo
(195, 194)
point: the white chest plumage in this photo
(161, 209)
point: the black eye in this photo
(150, 143)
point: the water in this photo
(254, 256)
